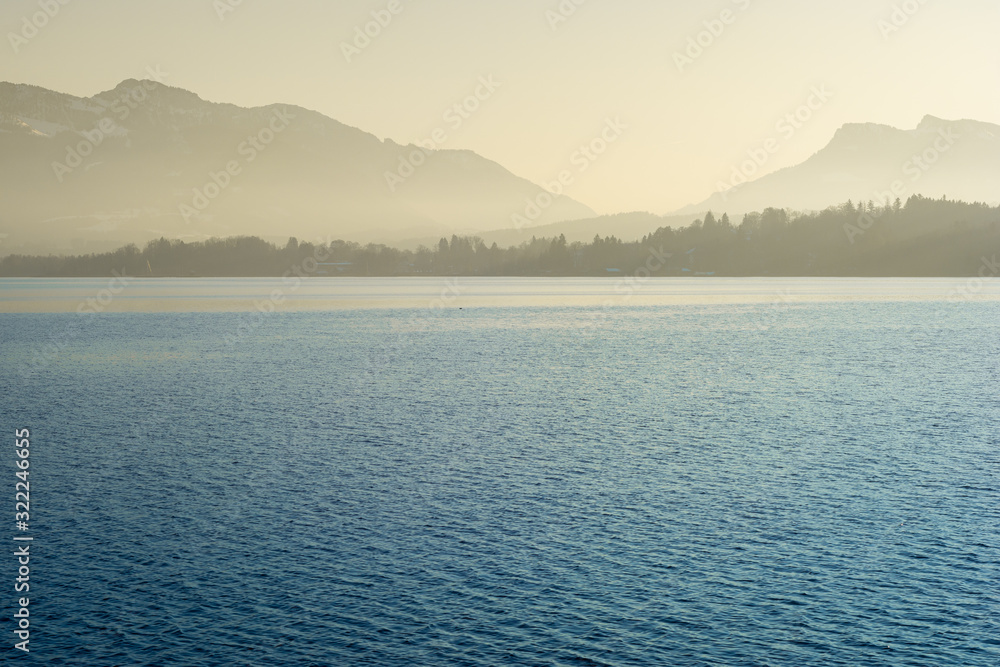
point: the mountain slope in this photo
(145, 160)
(958, 159)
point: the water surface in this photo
(727, 480)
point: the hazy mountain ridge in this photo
(157, 157)
(150, 147)
(863, 161)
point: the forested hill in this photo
(924, 237)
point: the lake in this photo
(455, 471)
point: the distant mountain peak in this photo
(863, 131)
(940, 157)
(128, 84)
(931, 123)
(147, 89)
(969, 129)
(162, 161)
(867, 127)
(854, 137)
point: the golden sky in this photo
(694, 85)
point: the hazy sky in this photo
(688, 124)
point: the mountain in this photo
(865, 161)
(146, 160)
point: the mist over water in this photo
(760, 481)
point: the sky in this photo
(690, 86)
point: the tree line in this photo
(923, 237)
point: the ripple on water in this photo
(506, 487)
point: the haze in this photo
(561, 81)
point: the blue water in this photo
(815, 484)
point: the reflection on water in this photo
(265, 294)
